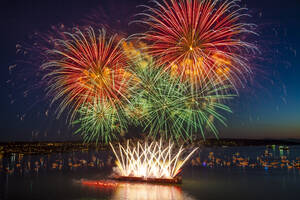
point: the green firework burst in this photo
(169, 108)
(101, 120)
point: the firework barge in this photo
(117, 180)
(175, 180)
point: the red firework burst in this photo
(197, 40)
(85, 66)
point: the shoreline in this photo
(78, 146)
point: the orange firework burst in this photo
(84, 67)
(197, 40)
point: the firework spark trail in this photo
(84, 67)
(101, 121)
(150, 160)
(166, 106)
(195, 39)
(96, 76)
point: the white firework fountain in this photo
(149, 162)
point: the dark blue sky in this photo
(267, 108)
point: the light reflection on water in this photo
(140, 191)
(52, 177)
(135, 190)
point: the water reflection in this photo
(235, 172)
(229, 157)
(137, 191)
(140, 191)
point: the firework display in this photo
(167, 107)
(174, 80)
(150, 160)
(85, 66)
(100, 121)
(199, 38)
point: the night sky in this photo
(269, 106)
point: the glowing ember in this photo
(150, 160)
